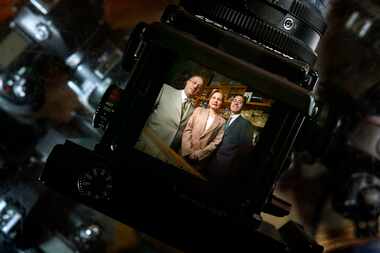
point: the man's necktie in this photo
(228, 123)
(185, 106)
(176, 143)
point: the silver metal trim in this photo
(11, 223)
(40, 6)
(3, 204)
(288, 24)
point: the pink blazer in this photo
(196, 139)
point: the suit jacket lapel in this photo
(203, 115)
(215, 124)
(234, 123)
(177, 104)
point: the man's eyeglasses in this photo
(236, 100)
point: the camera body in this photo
(167, 202)
(40, 36)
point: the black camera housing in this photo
(230, 54)
(160, 199)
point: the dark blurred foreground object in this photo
(358, 246)
(341, 160)
(42, 53)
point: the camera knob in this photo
(107, 107)
(95, 184)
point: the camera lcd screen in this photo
(220, 120)
(203, 122)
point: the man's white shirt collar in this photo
(233, 117)
(183, 96)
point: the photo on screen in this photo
(203, 122)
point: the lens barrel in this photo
(292, 27)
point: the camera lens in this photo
(320, 5)
(291, 27)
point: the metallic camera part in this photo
(288, 24)
(366, 137)
(42, 32)
(10, 218)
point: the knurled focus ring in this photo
(261, 31)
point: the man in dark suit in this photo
(236, 143)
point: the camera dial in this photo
(95, 183)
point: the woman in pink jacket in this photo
(203, 132)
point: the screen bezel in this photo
(292, 104)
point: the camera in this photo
(138, 176)
(76, 52)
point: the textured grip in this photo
(300, 10)
(261, 31)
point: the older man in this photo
(171, 112)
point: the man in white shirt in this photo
(171, 112)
